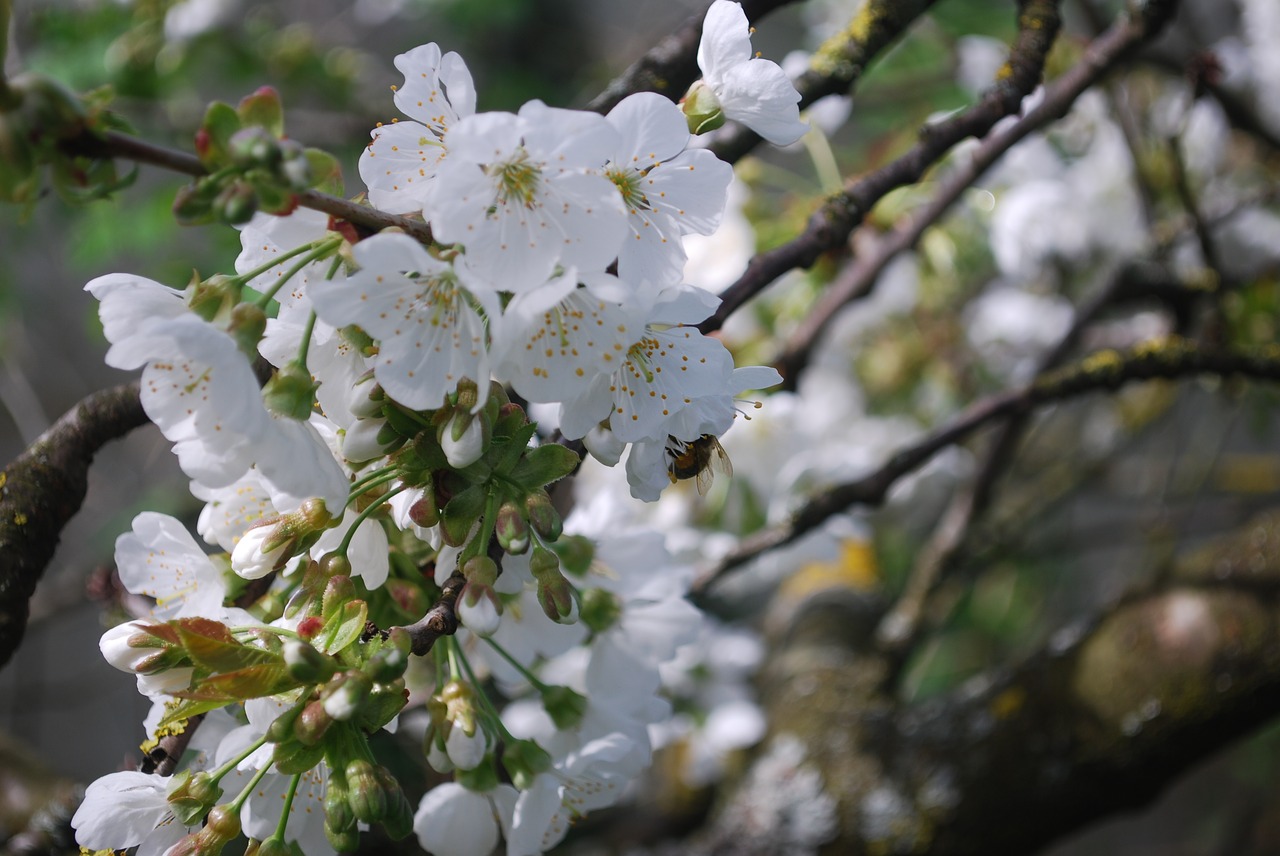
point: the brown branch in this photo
(43, 488)
(671, 65)
(1101, 720)
(859, 278)
(115, 144)
(1105, 370)
(440, 620)
(830, 226)
(838, 65)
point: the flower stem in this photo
(515, 664)
(278, 835)
(234, 762)
(364, 515)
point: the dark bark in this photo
(43, 488)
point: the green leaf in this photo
(175, 713)
(545, 464)
(326, 172)
(253, 682)
(461, 514)
(346, 627)
(263, 108)
(214, 136)
(211, 645)
(512, 447)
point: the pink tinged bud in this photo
(543, 515)
(511, 529)
(463, 440)
(255, 555)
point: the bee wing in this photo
(705, 477)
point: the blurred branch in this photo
(1104, 370)
(1098, 721)
(671, 65)
(831, 225)
(900, 629)
(859, 278)
(43, 488)
(440, 620)
(837, 65)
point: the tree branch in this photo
(116, 144)
(43, 488)
(441, 619)
(829, 227)
(1100, 720)
(859, 278)
(1104, 370)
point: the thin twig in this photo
(116, 144)
(1104, 370)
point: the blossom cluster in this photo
(386, 478)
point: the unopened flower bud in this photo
(479, 609)
(576, 553)
(424, 511)
(291, 392)
(293, 756)
(600, 609)
(337, 807)
(366, 397)
(344, 695)
(367, 797)
(248, 324)
(310, 726)
(702, 109)
(192, 795)
(260, 551)
(565, 707)
(464, 438)
(360, 442)
(511, 529)
(543, 515)
(307, 664)
(270, 847)
(235, 203)
(555, 594)
(523, 760)
(466, 751)
(130, 648)
(253, 146)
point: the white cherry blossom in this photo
(402, 157)
(430, 333)
(523, 193)
(750, 90)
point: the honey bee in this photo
(697, 459)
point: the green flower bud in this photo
(398, 818)
(337, 809)
(600, 609)
(235, 203)
(702, 109)
(192, 795)
(248, 323)
(565, 707)
(310, 726)
(344, 696)
(556, 595)
(576, 553)
(345, 840)
(291, 392)
(524, 759)
(511, 529)
(253, 146)
(543, 515)
(307, 664)
(367, 797)
(382, 705)
(282, 728)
